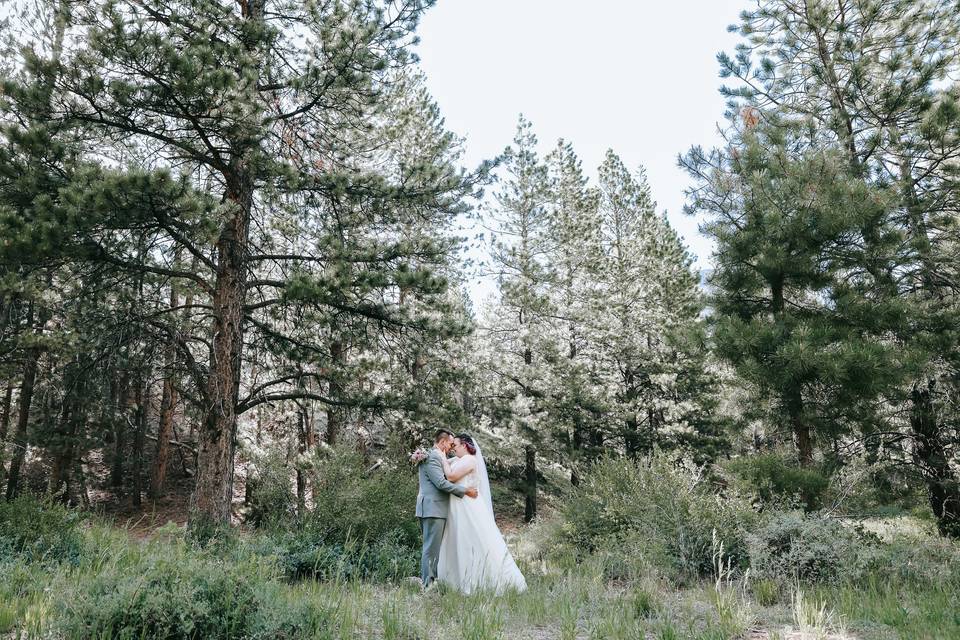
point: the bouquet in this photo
(418, 456)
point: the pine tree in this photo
(646, 319)
(519, 253)
(577, 406)
(255, 135)
(797, 312)
(871, 79)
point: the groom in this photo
(433, 503)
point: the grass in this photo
(567, 599)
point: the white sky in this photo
(636, 76)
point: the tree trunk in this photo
(139, 437)
(930, 455)
(530, 510)
(213, 495)
(303, 444)
(5, 416)
(791, 396)
(633, 442)
(168, 405)
(161, 457)
(4, 429)
(799, 427)
(20, 440)
(333, 412)
(121, 397)
(63, 450)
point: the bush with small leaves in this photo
(656, 510)
(350, 503)
(170, 593)
(303, 555)
(37, 531)
(773, 479)
(793, 546)
(271, 500)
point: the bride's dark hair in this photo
(468, 442)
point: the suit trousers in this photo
(432, 530)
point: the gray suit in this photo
(433, 505)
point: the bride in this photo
(473, 553)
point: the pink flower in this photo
(418, 456)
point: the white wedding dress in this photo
(473, 553)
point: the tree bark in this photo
(303, 442)
(213, 495)
(121, 396)
(63, 448)
(5, 417)
(4, 429)
(139, 437)
(334, 418)
(530, 508)
(20, 440)
(168, 405)
(799, 426)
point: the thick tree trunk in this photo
(530, 471)
(930, 455)
(20, 440)
(168, 405)
(213, 495)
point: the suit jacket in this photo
(433, 499)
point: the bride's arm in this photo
(465, 465)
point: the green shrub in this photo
(351, 504)
(271, 499)
(38, 531)
(654, 508)
(793, 546)
(169, 593)
(773, 478)
(304, 555)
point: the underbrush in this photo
(770, 478)
(356, 526)
(782, 572)
(37, 531)
(654, 512)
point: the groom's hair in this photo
(442, 434)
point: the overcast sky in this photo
(636, 76)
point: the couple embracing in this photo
(462, 546)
